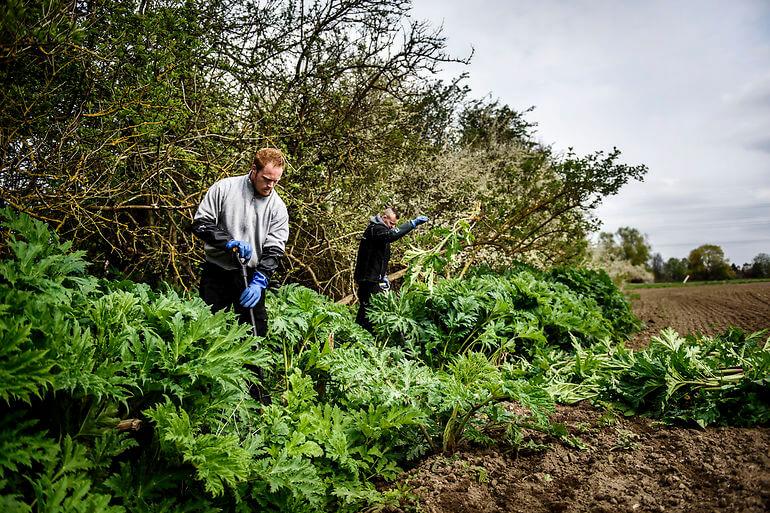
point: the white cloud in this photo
(680, 86)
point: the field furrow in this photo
(707, 309)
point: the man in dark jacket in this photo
(371, 272)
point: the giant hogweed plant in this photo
(435, 316)
(78, 355)
(426, 265)
(324, 455)
(325, 344)
(303, 326)
(705, 380)
(463, 402)
(319, 338)
(598, 286)
(498, 316)
(723, 379)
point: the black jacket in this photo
(374, 249)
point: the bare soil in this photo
(706, 309)
(622, 464)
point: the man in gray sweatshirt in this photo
(243, 216)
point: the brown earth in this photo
(622, 464)
(707, 309)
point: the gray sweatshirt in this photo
(231, 209)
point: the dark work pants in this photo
(222, 289)
(365, 291)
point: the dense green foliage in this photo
(598, 286)
(499, 316)
(117, 397)
(79, 354)
(706, 380)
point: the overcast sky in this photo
(681, 86)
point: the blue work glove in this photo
(244, 248)
(385, 284)
(251, 294)
(417, 221)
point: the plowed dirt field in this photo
(707, 309)
(626, 464)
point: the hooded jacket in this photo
(374, 249)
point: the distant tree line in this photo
(759, 267)
(116, 116)
(706, 262)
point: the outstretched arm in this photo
(382, 233)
